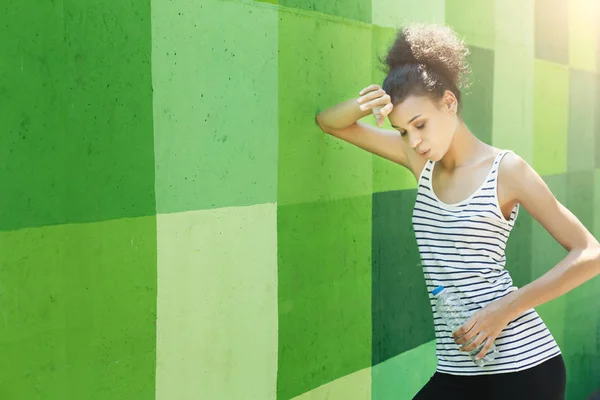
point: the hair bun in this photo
(437, 47)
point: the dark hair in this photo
(425, 59)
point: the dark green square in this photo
(582, 320)
(324, 292)
(478, 99)
(580, 196)
(402, 316)
(518, 249)
(76, 111)
(582, 328)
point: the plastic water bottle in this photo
(455, 313)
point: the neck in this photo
(464, 148)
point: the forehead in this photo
(411, 106)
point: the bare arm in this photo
(581, 264)
(342, 121)
(583, 261)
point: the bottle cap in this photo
(437, 290)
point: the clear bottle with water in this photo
(455, 312)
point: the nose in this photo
(414, 139)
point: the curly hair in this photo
(425, 59)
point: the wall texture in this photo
(174, 225)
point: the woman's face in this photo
(428, 126)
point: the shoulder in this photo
(512, 164)
(517, 176)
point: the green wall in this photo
(174, 225)
(77, 208)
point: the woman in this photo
(468, 198)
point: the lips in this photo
(424, 153)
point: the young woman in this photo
(468, 197)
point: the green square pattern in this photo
(283, 263)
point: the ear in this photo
(450, 102)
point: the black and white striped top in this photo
(462, 247)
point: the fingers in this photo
(370, 95)
(385, 111)
(460, 333)
(379, 101)
(369, 88)
(475, 343)
(485, 349)
(375, 98)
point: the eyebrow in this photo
(408, 123)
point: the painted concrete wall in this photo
(174, 225)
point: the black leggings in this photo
(545, 381)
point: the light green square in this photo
(403, 376)
(322, 62)
(358, 10)
(215, 104)
(514, 23)
(551, 113)
(583, 87)
(473, 20)
(551, 22)
(355, 386)
(382, 39)
(513, 99)
(325, 292)
(217, 304)
(584, 33)
(597, 203)
(396, 13)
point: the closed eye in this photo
(403, 133)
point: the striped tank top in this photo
(462, 247)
